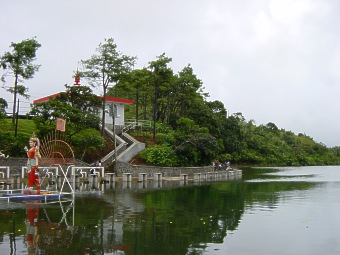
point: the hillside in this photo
(261, 145)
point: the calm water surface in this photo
(270, 211)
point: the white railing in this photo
(6, 168)
(86, 171)
(48, 170)
(132, 123)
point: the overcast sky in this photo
(272, 60)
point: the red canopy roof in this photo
(108, 99)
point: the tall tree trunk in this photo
(137, 105)
(15, 98)
(144, 108)
(154, 111)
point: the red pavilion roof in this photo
(108, 99)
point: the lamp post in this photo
(113, 106)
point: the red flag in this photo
(60, 124)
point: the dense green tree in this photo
(19, 64)
(269, 145)
(194, 145)
(13, 146)
(272, 127)
(87, 141)
(201, 113)
(162, 76)
(180, 97)
(186, 90)
(218, 118)
(106, 68)
(161, 155)
(136, 85)
(232, 135)
(335, 151)
(163, 95)
(78, 106)
(188, 145)
(193, 131)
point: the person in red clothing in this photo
(33, 156)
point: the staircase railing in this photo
(133, 124)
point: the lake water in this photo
(277, 211)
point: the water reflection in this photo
(36, 228)
(149, 217)
(32, 227)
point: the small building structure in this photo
(113, 105)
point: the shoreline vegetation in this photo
(309, 153)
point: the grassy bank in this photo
(24, 126)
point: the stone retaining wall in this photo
(165, 171)
(16, 165)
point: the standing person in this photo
(95, 164)
(33, 156)
(215, 164)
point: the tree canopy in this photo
(78, 106)
(106, 68)
(190, 130)
(19, 64)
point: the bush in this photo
(13, 146)
(160, 156)
(87, 141)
